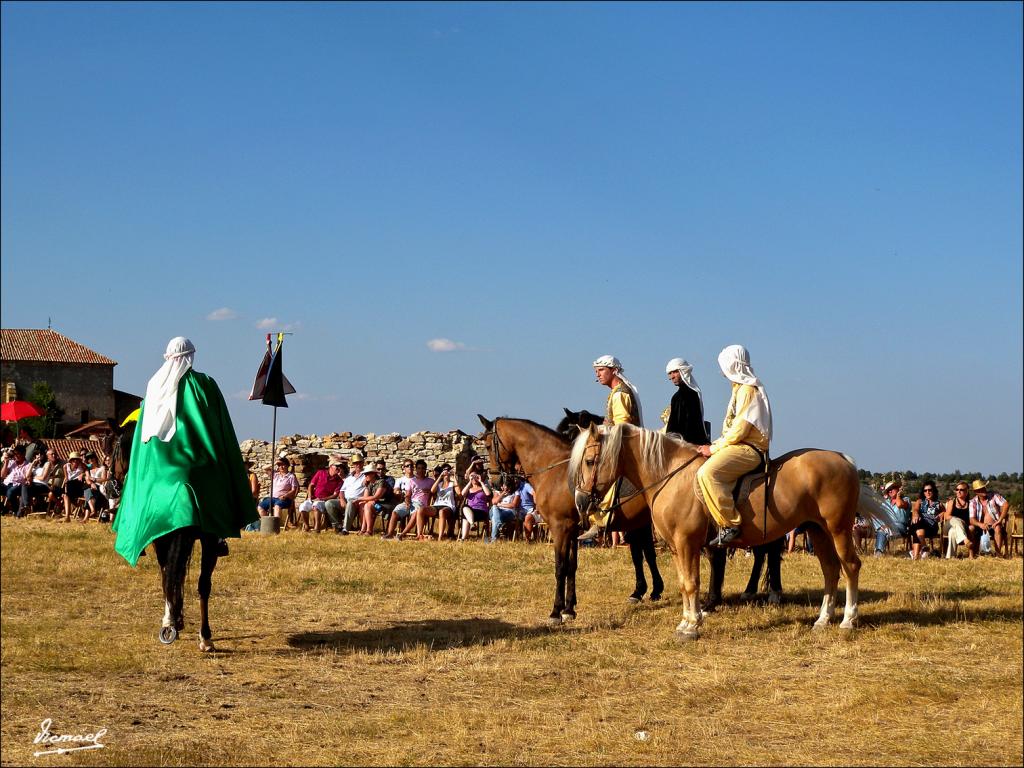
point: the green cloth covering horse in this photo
(197, 478)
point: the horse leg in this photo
(850, 561)
(560, 538)
(717, 559)
(688, 566)
(207, 564)
(651, 556)
(173, 552)
(570, 580)
(750, 591)
(636, 554)
(829, 561)
(774, 554)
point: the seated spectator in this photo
(94, 479)
(111, 490)
(476, 499)
(900, 508)
(444, 495)
(376, 491)
(322, 488)
(54, 482)
(957, 526)
(527, 505)
(989, 512)
(504, 506)
(43, 466)
(254, 488)
(417, 496)
(924, 520)
(283, 489)
(863, 531)
(74, 482)
(387, 503)
(352, 493)
(402, 509)
(33, 445)
(16, 473)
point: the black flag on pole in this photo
(271, 385)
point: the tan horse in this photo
(808, 485)
(544, 456)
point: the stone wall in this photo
(308, 453)
(77, 387)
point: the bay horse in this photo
(174, 554)
(544, 457)
(807, 485)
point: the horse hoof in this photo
(568, 616)
(205, 645)
(819, 625)
(554, 621)
(687, 635)
(848, 626)
(168, 635)
(774, 598)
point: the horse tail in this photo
(871, 506)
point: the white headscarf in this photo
(734, 361)
(686, 371)
(161, 413)
(608, 361)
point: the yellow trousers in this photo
(718, 476)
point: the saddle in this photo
(745, 485)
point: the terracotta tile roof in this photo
(65, 446)
(46, 346)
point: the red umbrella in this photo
(16, 410)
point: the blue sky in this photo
(835, 186)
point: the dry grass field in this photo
(357, 651)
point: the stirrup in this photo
(725, 536)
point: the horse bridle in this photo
(503, 471)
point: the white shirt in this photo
(354, 486)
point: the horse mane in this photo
(652, 448)
(541, 427)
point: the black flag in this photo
(271, 385)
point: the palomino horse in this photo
(807, 485)
(570, 427)
(544, 457)
(173, 553)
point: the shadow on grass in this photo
(433, 634)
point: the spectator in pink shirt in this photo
(282, 490)
(417, 496)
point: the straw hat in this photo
(979, 485)
(893, 484)
(74, 455)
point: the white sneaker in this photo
(924, 554)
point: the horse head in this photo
(501, 457)
(576, 421)
(594, 462)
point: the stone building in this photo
(82, 379)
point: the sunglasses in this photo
(961, 490)
(928, 490)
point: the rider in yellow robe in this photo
(622, 407)
(746, 434)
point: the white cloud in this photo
(445, 345)
(224, 313)
(273, 324)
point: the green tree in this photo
(46, 425)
